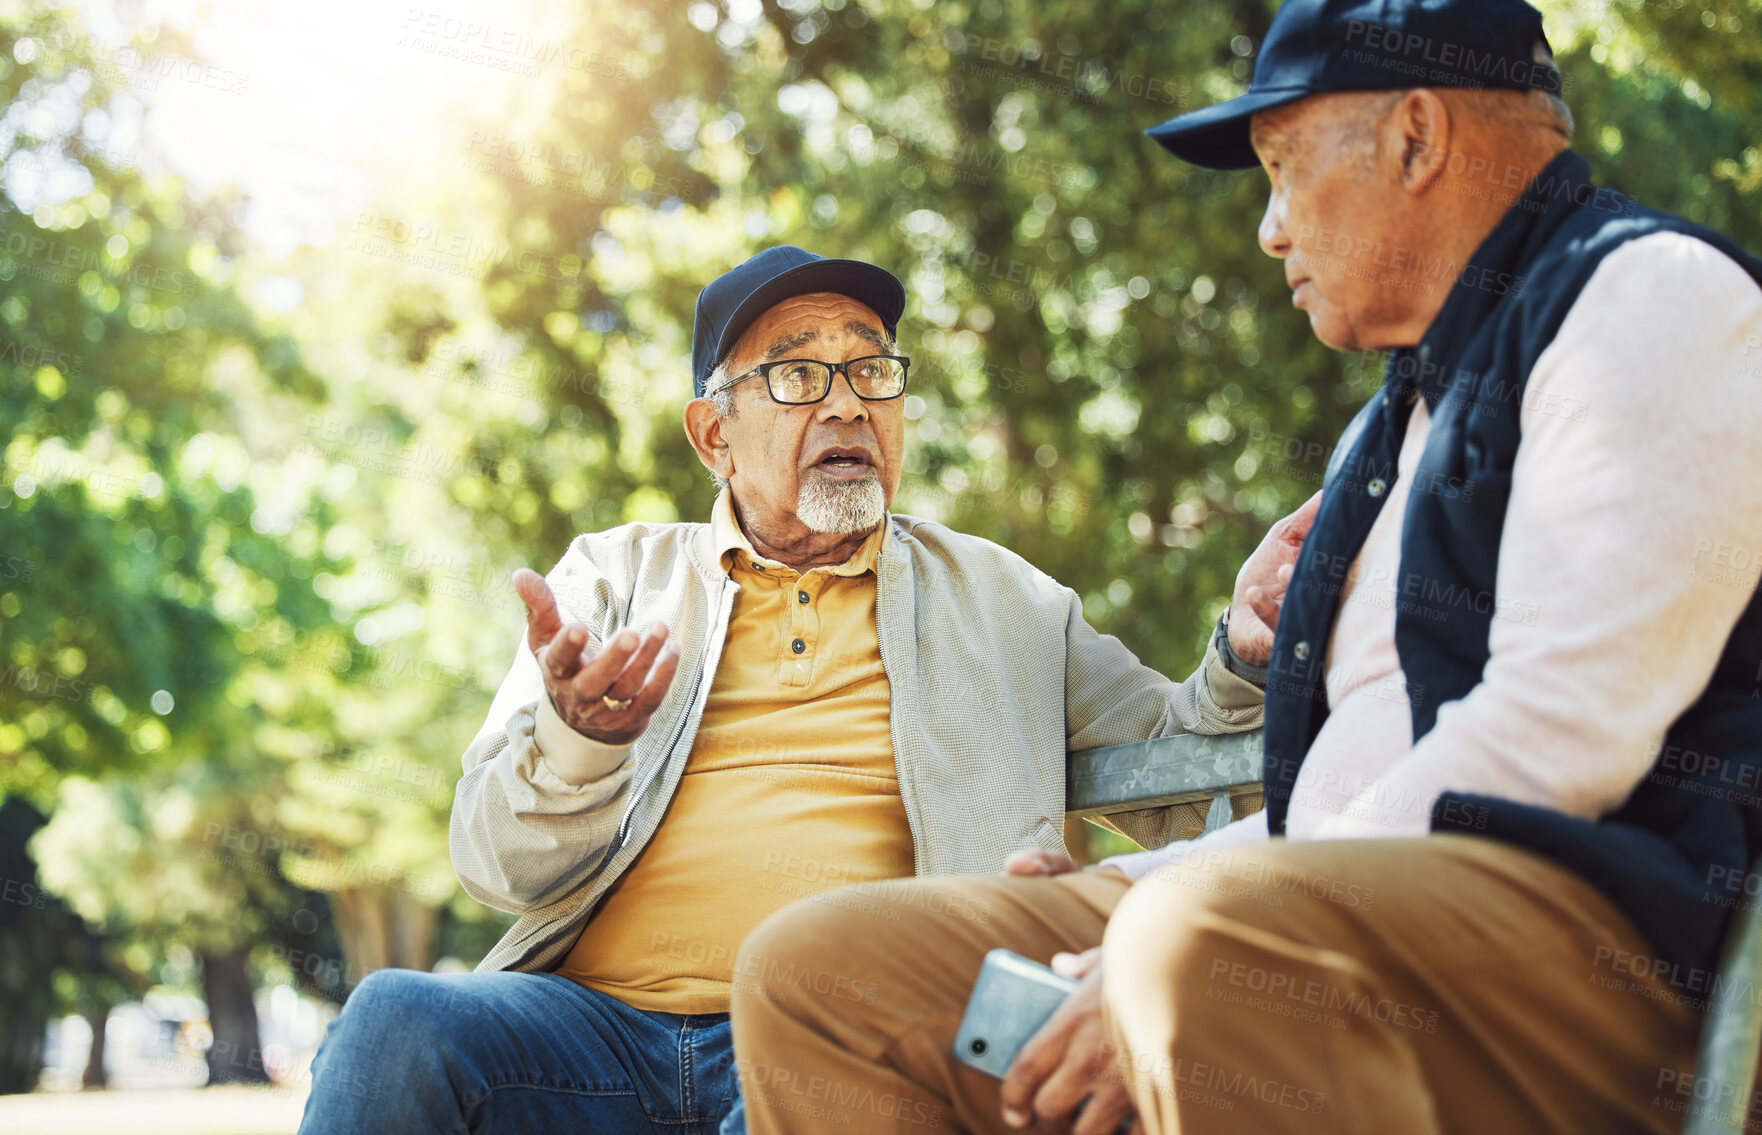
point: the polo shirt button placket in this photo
(803, 623)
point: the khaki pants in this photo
(1446, 984)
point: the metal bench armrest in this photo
(1166, 770)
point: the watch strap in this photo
(1255, 675)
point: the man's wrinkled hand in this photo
(1069, 1064)
(1030, 861)
(632, 672)
(1038, 861)
(1260, 585)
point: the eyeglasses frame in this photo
(763, 370)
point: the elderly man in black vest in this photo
(1514, 705)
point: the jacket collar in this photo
(716, 546)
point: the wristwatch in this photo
(1256, 675)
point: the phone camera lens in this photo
(978, 1046)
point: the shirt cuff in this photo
(1249, 829)
(1135, 865)
(570, 757)
(1229, 691)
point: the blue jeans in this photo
(516, 1052)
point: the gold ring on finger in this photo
(616, 705)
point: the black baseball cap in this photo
(733, 300)
(1322, 46)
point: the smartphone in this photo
(1013, 997)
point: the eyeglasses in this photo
(802, 382)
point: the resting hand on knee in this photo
(1039, 861)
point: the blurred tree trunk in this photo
(94, 1077)
(236, 1056)
(381, 927)
(27, 950)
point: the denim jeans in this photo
(516, 1052)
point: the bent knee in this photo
(1149, 923)
(789, 947)
(387, 987)
(1188, 926)
(1173, 928)
(400, 1005)
(833, 943)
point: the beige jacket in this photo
(995, 677)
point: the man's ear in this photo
(704, 427)
(1422, 123)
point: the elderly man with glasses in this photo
(706, 722)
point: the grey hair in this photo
(1502, 109)
(723, 401)
(1519, 111)
(1559, 115)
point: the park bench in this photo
(1193, 768)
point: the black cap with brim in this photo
(1316, 47)
(876, 288)
(1217, 136)
(735, 300)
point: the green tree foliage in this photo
(142, 539)
(137, 546)
(1108, 377)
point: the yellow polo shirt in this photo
(790, 787)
